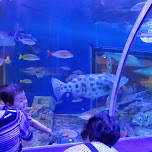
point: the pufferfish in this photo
(89, 86)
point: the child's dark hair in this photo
(7, 92)
(102, 128)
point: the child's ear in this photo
(8, 105)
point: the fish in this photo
(124, 134)
(39, 72)
(138, 6)
(43, 71)
(88, 114)
(63, 54)
(27, 39)
(144, 71)
(89, 86)
(142, 119)
(39, 75)
(131, 60)
(8, 60)
(78, 72)
(34, 48)
(74, 75)
(27, 81)
(29, 57)
(65, 68)
(70, 133)
(71, 77)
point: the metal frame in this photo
(125, 52)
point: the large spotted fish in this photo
(89, 86)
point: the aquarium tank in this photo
(65, 55)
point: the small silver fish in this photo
(25, 38)
(27, 41)
(34, 48)
(65, 68)
(39, 72)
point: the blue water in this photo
(75, 26)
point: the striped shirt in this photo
(13, 126)
(4, 107)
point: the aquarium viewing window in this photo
(69, 59)
(134, 96)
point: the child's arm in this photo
(37, 125)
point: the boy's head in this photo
(101, 128)
(13, 96)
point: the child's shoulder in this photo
(2, 106)
(27, 115)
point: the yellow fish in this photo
(27, 81)
(7, 60)
(29, 57)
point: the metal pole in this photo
(124, 56)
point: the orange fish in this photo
(124, 134)
(70, 133)
(63, 54)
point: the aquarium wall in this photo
(65, 54)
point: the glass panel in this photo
(65, 54)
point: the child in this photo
(100, 133)
(13, 127)
(13, 96)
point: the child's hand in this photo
(49, 131)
